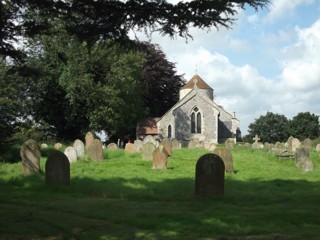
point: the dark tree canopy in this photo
(305, 125)
(95, 20)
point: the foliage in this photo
(270, 128)
(305, 125)
(161, 204)
(94, 20)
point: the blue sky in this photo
(268, 61)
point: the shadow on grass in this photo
(138, 208)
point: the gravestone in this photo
(307, 165)
(89, 139)
(267, 146)
(209, 179)
(130, 148)
(147, 151)
(301, 154)
(175, 144)
(210, 146)
(151, 139)
(57, 169)
(159, 158)
(193, 143)
(112, 147)
(247, 145)
(290, 139)
(295, 144)
(138, 144)
(256, 143)
(318, 148)
(95, 150)
(230, 143)
(166, 143)
(30, 154)
(43, 146)
(307, 143)
(79, 147)
(226, 156)
(71, 154)
(58, 146)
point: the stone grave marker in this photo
(57, 169)
(247, 145)
(79, 147)
(71, 154)
(256, 143)
(159, 158)
(151, 139)
(89, 139)
(58, 146)
(193, 143)
(112, 147)
(301, 154)
(30, 154)
(166, 143)
(95, 150)
(230, 143)
(295, 144)
(318, 148)
(147, 151)
(175, 144)
(226, 156)
(307, 143)
(290, 139)
(138, 144)
(307, 165)
(43, 146)
(130, 148)
(209, 179)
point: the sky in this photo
(268, 61)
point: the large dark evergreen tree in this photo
(305, 125)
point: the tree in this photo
(270, 128)
(96, 20)
(305, 125)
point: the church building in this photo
(194, 116)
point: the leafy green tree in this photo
(270, 128)
(305, 125)
(94, 20)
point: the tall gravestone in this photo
(30, 154)
(71, 154)
(147, 151)
(79, 146)
(230, 143)
(95, 150)
(151, 139)
(57, 169)
(89, 139)
(130, 148)
(256, 143)
(295, 144)
(138, 144)
(226, 156)
(209, 179)
(301, 154)
(166, 143)
(160, 155)
(307, 143)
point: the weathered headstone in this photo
(71, 154)
(147, 151)
(57, 169)
(130, 148)
(230, 143)
(112, 147)
(226, 156)
(43, 146)
(318, 148)
(166, 143)
(307, 165)
(301, 154)
(58, 146)
(307, 143)
(138, 144)
(295, 144)
(160, 156)
(209, 179)
(89, 139)
(95, 150)
(30, 155)
(79, 146)
(247, 145)
(290, 139)
(151, 139)
(175, 144)
(193, 143)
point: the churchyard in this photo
(122, 194)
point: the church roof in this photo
(196, 79)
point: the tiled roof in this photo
(148, 126)
(196, 79)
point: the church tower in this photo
(198, 82)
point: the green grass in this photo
(123, 198)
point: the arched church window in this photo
(169, 131)
(196, 121)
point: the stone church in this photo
(194, 116)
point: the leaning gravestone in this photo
(230, 143)
(89, 139)
(301, 154)
(57, 169)
(166, 143)
(112, 147)
(209, 179)
(79, 146)
(147, 151)
(71, 154)
(138, 144)
(226, 156)
(130, 148)
(95, 150)
(160, 155)
(30, 155)
(307, 143)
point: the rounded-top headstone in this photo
(57, 169)
(71, 154)
(79, 146)
(112, 147)
(95, 150)
(226, 156)
(209, 179)
(89, 139)
(166, 143)
(30, 154)
(147, 151)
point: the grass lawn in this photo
(123, 198)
